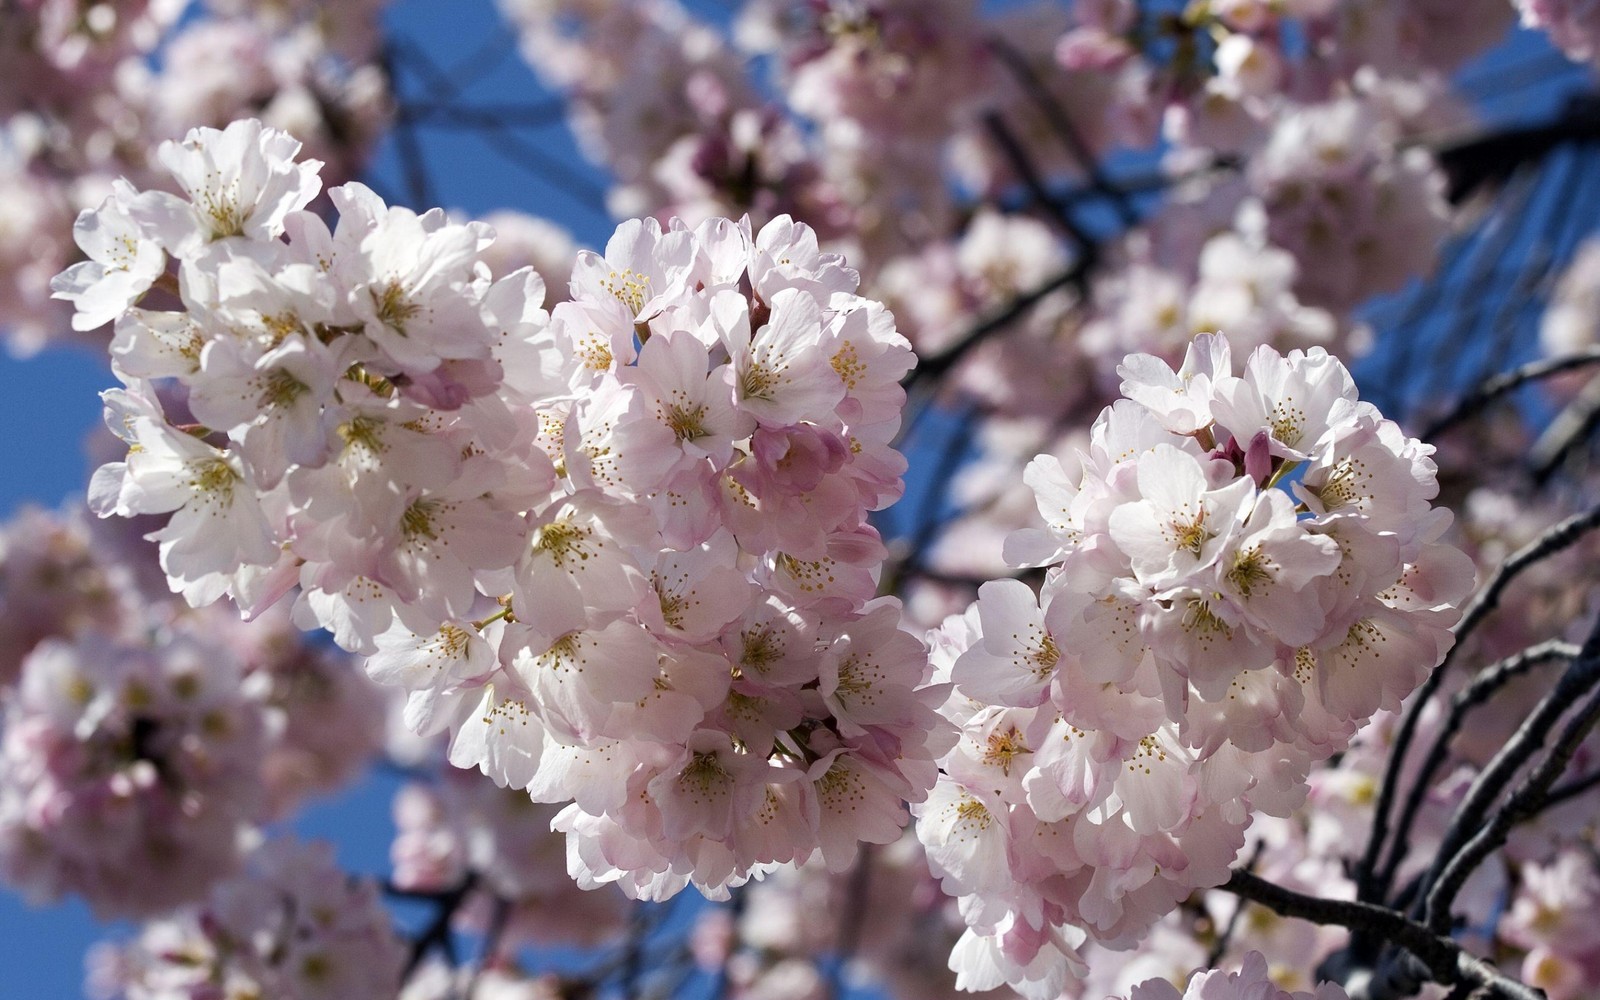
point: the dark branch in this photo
(995, 321)
(1445, 959)
(1571, 427)
(1060, 211)
(1469, 838)
(1485, 684)
(1061, 123)
(437, 934)
(1506, 382)
(1563, 535)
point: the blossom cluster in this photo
(618, 550)
(88, 90)
(1242, 571)
(141, 736)
(121, 761)
(292, 927)
(1250, 981)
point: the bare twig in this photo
(1368, 886)
(1219, 947)
(1469, 839)
(1060, 212)
(449, 115)
(499, 918)
(1486, 683)
(1571, 427)
(1061, 123)
(1506, 382)
(850, 925)
(437, 934)
(999, 319)
(1445, 959)
(1571, 790)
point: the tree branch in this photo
(1470, 840)
(1368, 887)
(1062, 124)
(1015, 155)
(437, 933)
(1506, 382)
(995, 321)
(1445, 959)
(1485, 684)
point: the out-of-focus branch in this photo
(1060, 212)
(1482, 687)
(499, 918)
(419, 187)
(1499, 385)
(436, 934)
(1469, 839)
(1571, 427)
(853, 919)
(998, 319)
(1061, 123)
(1219, 947)
(1492, 157)
(450, 115)
(443, 87)
(1369, 887)
(736, 907)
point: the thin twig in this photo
(1062, 124)
(1571, 790)
(1561, 536)
(1469, 839)
(437, 933)
(499, 918)
(1004, 316)
(419, 187)
(1219, 947)
(1506, 382)
(639, 926)
(1060, 211)
(1571, 427)
(447, 115)
(1486, 683)
(736, 907)
(850, 925)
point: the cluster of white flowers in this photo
(293, 928)
(620, 551)
(119, 760)
(139, 735)
(1251, 982)
(1245, 570)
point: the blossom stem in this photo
(504, 614)
(1279, 473)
